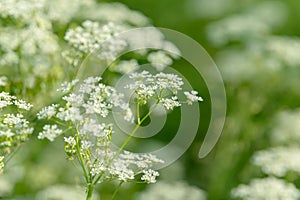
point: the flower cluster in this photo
(30, 53)
(192, 97)
(3, 80)
(267, 188)
(160, 60)
(90, 142)
(284, 49)
(28, 43)
(92, 36)
(278, 161)
(62, 192)
(114, 12)
(125, 66)
(251, 23)
(14, 128)
(149, 176)
(20, 9)
(126, 166)
(284, 158)
(92, 98)
(63, 11)
(161, 87)
(287, 129)
(171, 190)
(150, 37)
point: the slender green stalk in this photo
(116, 190)
(126, 141)
(90, 189)
(80, 158)
(134, 131)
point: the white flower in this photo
(48, 112)
(278, 161)
(178, 190)
(14, 128)
(250, 24)
(22, 104)
(20, 9)
(6, 99)
(125, 66)
(287, 128)
(3, 80)
(80, 111)
(67, 86)
(97, 168)
(115, 12)
(74, 100)
(192, 97)
(50, 132)
(147, 86)
(121, 170)
(170, 103)
(169, 81)
(92, 36)
(63, 11)
(15, 120)
(149, 176)
(160, 60)
(70, 140)
(150, 37)
(284, 49)
(128, 116)
(266, 189)
(69, 114)
(85, 145)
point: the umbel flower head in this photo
(82, 117)
(161, 87)
(14, 128)
(87, 140)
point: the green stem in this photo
(90, 189)
(116, 191)
(134, 131)
(80, 158)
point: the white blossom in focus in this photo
(192, 97)
(15, 129)
(149, 176)
(161, 87)
(50, 132)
